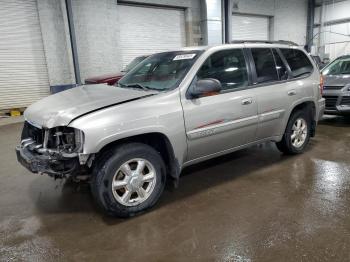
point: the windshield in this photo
(340, 66)
(133, 63)
(162, 71)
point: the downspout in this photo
(310, 24)
(73, 42)
(321, 35)
(227, 20)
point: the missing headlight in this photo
(61, 139)
(67, 139)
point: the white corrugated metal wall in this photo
(249, 27)
(146, 30)
(332, 39)
(334, 44)
(23, 71)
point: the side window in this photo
(227, 66)
(265, 65)
(298, 62)
(280, 66)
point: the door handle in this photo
(247, 101)
(292, 92)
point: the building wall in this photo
(97, 35)
(332, 40)
(192, 16)
(56, 41)
(289, 18)
(212, 22)
(336, 11)
(97, 30)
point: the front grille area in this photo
(345, 100)
(332, 87)
(30, 131)
(331, 102)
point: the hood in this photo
(104, 78)
(61, 108)
(336, 80)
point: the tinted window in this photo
(280, 66)
(227, 66)
(265, 65)
(298, 62)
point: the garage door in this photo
(146, 30)
(23, 71)
(247, 27)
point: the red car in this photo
(111, 79)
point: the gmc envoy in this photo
(172, 110)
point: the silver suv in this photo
(173, 110)
(337, 86)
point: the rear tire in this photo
(297, 134)
(128, 180)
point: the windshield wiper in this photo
(139, 86)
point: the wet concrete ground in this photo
(253, 205)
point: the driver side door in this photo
(219, 122)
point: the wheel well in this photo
(306, 105)
(156, 140)
(311, 109)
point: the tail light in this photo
(321, 84)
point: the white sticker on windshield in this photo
(185, 56)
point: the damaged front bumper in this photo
(47, 162)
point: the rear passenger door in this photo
(281, 75)
(274, 93)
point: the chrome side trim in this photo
(222, 127)
(264, 117)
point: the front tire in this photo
(128, 180)
(297, 134)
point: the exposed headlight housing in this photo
(63, 139)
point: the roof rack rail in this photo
(264, 42)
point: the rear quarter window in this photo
(299, 63)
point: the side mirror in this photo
(205, 87)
